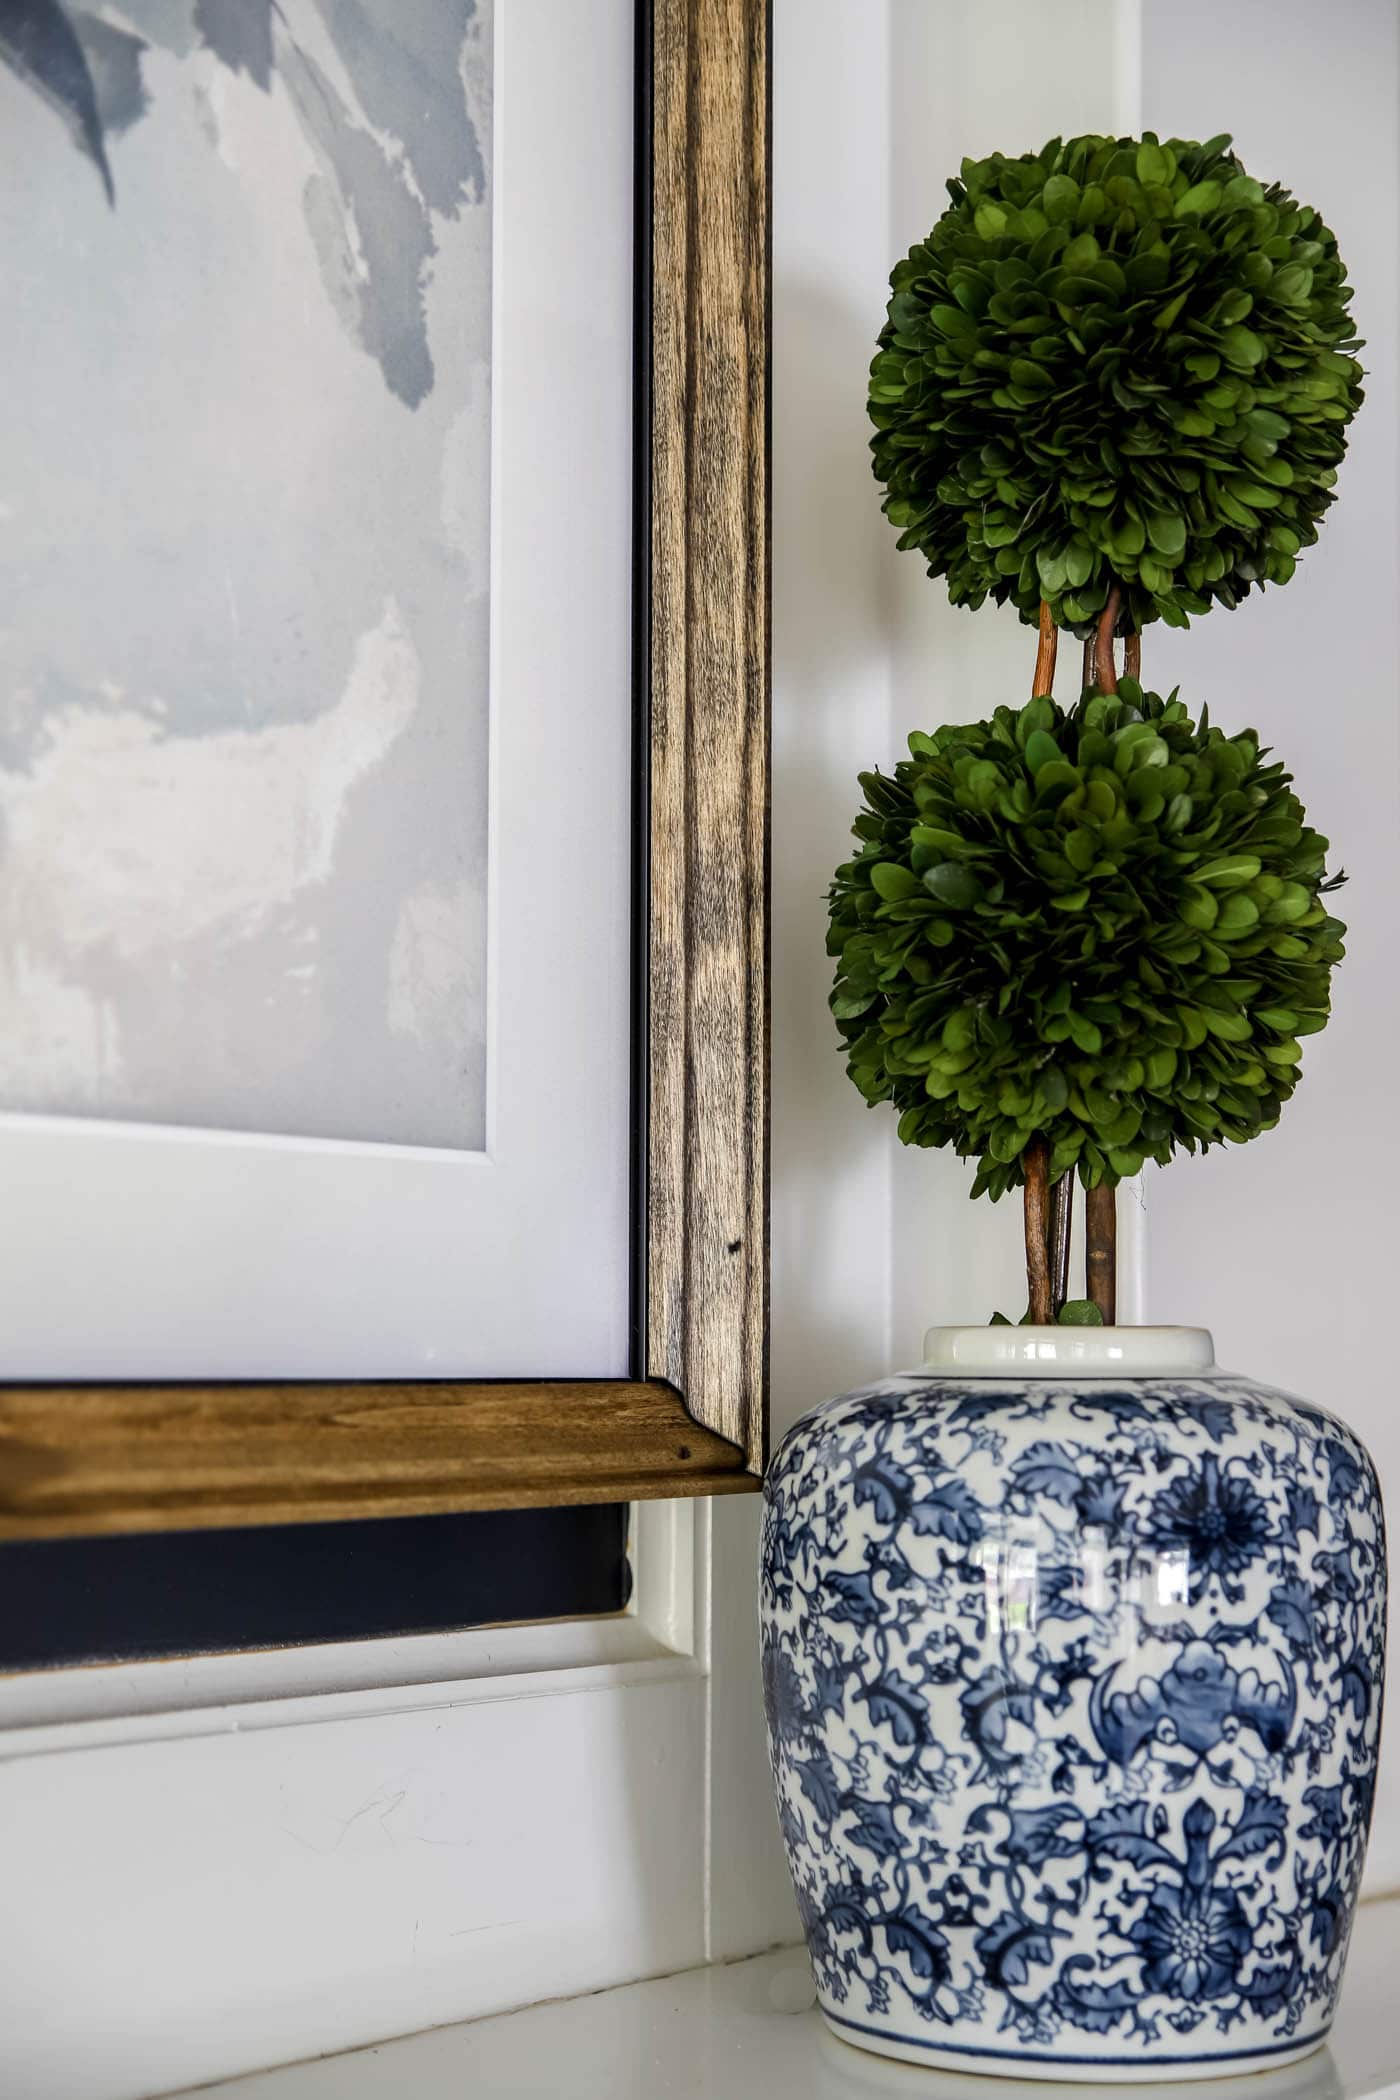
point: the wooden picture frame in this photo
(93, 1459)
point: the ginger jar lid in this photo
(1079, 1352)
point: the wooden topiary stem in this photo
(1101, 1250)
(1035, 1161)
(1049, 1211)
(1061, 1219)
(1101, 1204)
(1044, 1206)
(1105, 677)
(1047, 649)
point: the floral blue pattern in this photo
(1073, 1696)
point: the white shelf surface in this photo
(747, 2031)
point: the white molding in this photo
(637, 1662)
(201, 1906)
(751, 2028)
(275, 1871)
(51, 1711)
(1127, 68)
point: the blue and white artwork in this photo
(1074, 1700)
(245, 563)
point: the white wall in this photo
(832, 1164)
(1287, 1247)
(873, 108)
(1007, 75)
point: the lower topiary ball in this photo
(1105, 927)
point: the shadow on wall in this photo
(831, 629)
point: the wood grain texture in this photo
(80, 1460)
(709, 744)
(1101, 1251)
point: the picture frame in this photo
(92, 1458)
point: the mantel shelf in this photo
(748, 2029)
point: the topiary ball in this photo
(1114, 358)
(1104, 927)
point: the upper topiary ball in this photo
(1103, 928)
(1114, 358)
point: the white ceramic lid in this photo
(1086, 1352)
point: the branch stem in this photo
(1061, 1220)
(1101, 1250)
(1105, 674)
(1046, 652)
(1049, 1212)
(1035, 1162)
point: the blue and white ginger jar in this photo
(1072, 1650)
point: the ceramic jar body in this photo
(1073, 1688)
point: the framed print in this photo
(383, 758)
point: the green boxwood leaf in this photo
(1079, 1312)
(1166, 529)
(1238, 914)
(1231, 1028)
(1151, 164)
(1041, 750)
(1198, 908)
(1199, 199)
(893, 882)
(1229, 873)
(954, 884)
(1241, 347)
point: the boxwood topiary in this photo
(1114, 358)
(1102, 928)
